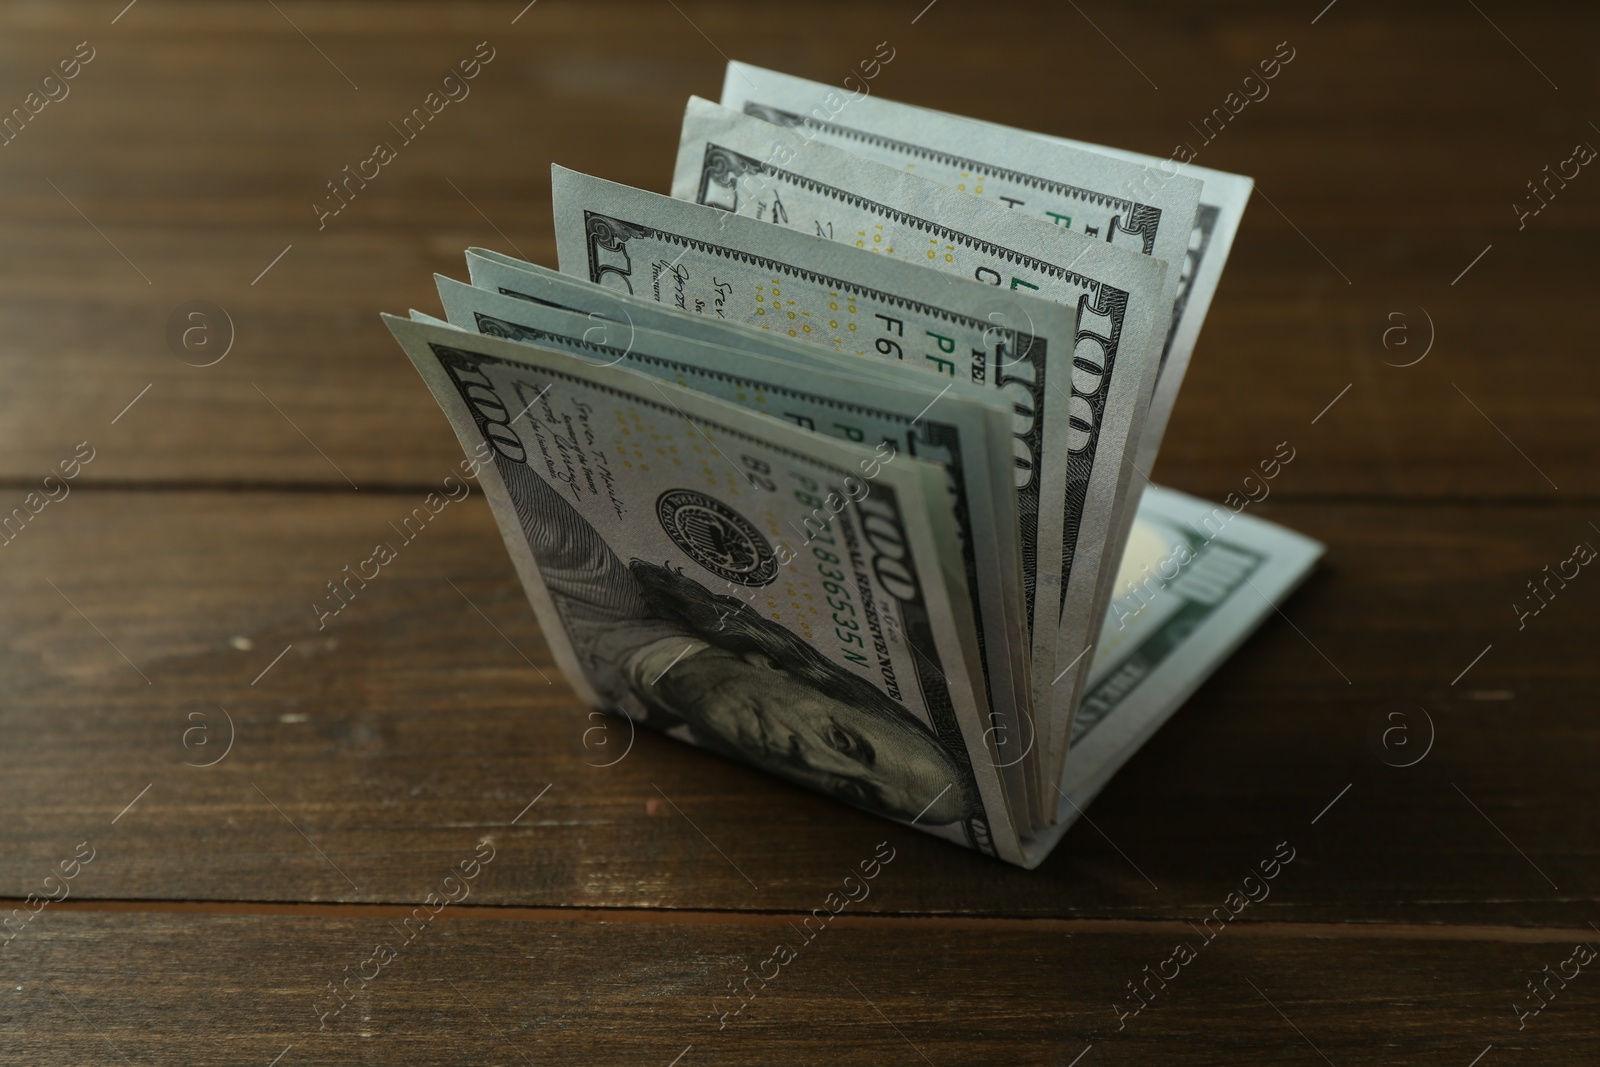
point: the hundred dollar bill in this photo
(627, 503)
(966, 430)
(1070, 188)
(1179, 214)
(844, 300)
(729, 160)
(1196, 580)
(1222, 204)
(507, 276)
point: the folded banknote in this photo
(832, 462)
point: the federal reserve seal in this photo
(715, 536)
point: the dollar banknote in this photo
(729, 160)
(1222, 202)
(834, 461)
(1197, 579)
(771, 594)
(846, 300)
(1105, 199)
(966, 430)
(507, 276)
(1174, 211)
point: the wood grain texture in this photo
(242, 989)
(413, 725)
(164, 608)
(200, 135)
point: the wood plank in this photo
(199, 136)
(425, 717)
(84, 987)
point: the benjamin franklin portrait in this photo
(663, 649)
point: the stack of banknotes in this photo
(833, 462)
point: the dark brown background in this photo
(606, 929)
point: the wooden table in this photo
(157, 616)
